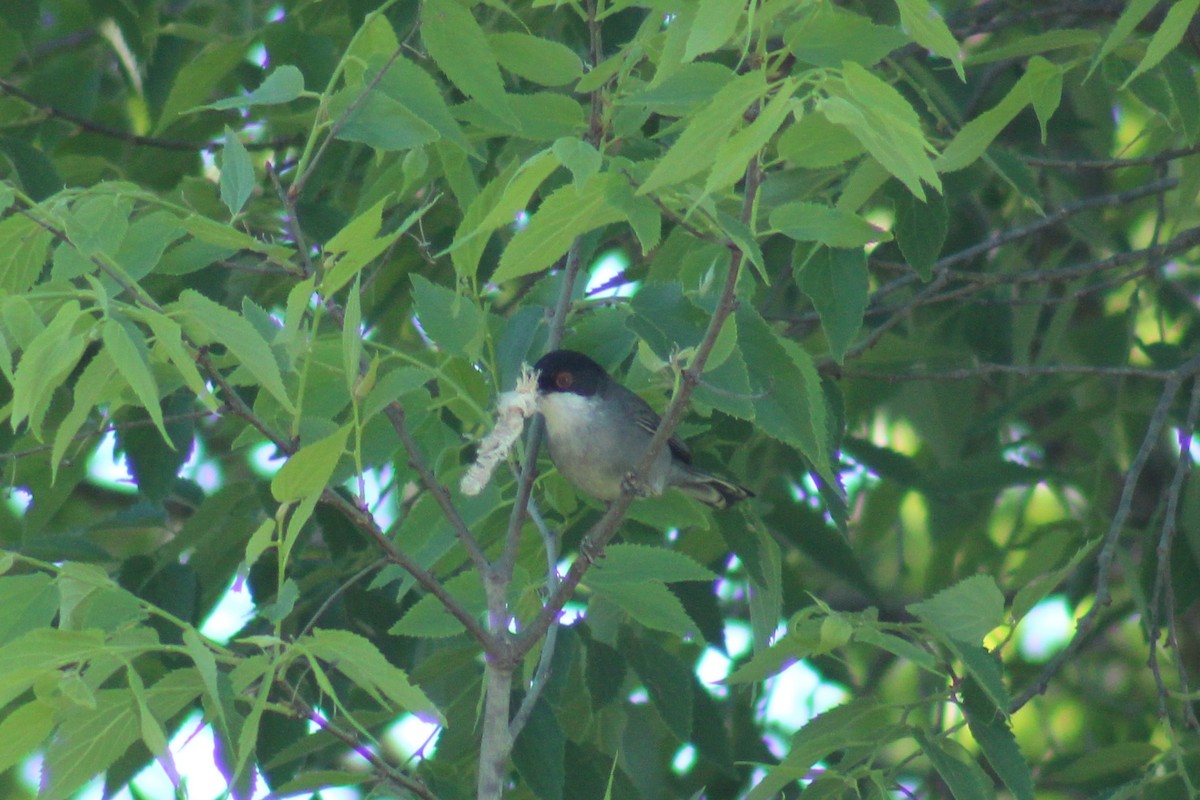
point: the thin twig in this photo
(1108, 550)
(1163, 596)
(133, 138)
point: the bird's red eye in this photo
(563, 380)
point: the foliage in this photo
(920, 276)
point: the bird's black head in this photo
(569, 371)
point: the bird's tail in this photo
(711, 490)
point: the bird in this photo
(597, 431)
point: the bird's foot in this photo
(633, 485)
(591, 551)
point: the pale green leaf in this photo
(220, 324)
(542, 61)
(967, 611)
(450, 318)
(814, 142)
(929, 30)
(738, 149)
(884, 123)
(25, 730)
(1168, 36)
(696, 148)
(198, 77)
(169, 336)
(831, 37)
(25, 245)
(814, 222)
(1132, 15)
(284, 84)
(309, 469)
(45, 364)
(634, 563)
(460, 48)
(565, 214)
(130, 360)
(714, 25)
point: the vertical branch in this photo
(498, 731)
(606, 527)
(1163, 598)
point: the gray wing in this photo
(648, 420)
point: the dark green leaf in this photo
(836, 281)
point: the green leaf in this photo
(929, 30)
(429, 619)
(737, 150)
(97, 223)
(237, 173)
(206, 668)
(900, 647)
(920, 230)
(667, 679)
(451, 319)
(789, 404)
(381, 122)
(352, 337)
(634, 563)
(231, 329)
(359, 660)
(967, 611)
(651, 604)
(1132, 15)
(29, 602)
(831, 36)
(308, 471)
(857, 723)
(284, 84)
(963, 777)
(836, 281)
(460, 48)
(89, 742)
(507, 195)
(696, 148)
(884, 123)
(169, 336)
(545, 62)
(25, 245)
(714, 25)
(130, 360)
(142, 248)
(567, 213)
(984, 668)
(198, 77)
(975, 137)
(1167, 37)
(579, 156)
(24, 730)
(989, 726)
(45, 364)
(681, 90)
(1045, 90)
(43, 651)
(814, 222)
(1108, 763)
(359, 243)
(36, 173)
